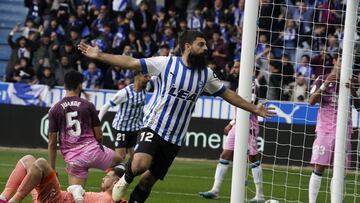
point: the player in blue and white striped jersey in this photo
(181, 81)
(129, 118)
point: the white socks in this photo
(256, 171)
(220, 173)
(77, 192)
(314, 187)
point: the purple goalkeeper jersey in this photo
(74, 118)
(327, 114)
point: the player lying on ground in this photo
(36, 177)
(325, 91)
(76, 122)
(228, 152)
(182, 79)
(129, 118)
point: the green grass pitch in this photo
(188, 177)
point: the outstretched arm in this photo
(234, 99)
(103, 110)
(122, 61)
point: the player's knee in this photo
(27, 160)
(139, 167)
(319, 168)
(42, 164)
(226, 155)
(147, 182)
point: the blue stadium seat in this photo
(3, 35)
(5, 52)
(2, 68)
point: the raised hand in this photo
(89, 51)
(330, 78)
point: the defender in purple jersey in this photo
(325, 91)
(181, 80)
(76, 122)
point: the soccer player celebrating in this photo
(181, 81)
(80, 135)
(35, 176)
(325, 91)
(129, 119)
(228, 152)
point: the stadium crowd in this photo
(296, 40)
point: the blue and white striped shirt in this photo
(174, 99)
(129, 117)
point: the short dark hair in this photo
(306, 56)
(72, 80)
(189, 36)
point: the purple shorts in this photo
(323, 150)
(252, 141)
(92, 156)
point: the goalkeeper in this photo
(36, 176)
(227, 155)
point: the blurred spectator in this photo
(22, 72)
(130, 19)
(70, 51)
(42, 53)
(92, 76)
(287, 74)
(113, 78)
(239, 13)
(318, 37)
(75, 37)
(233, 76)
(55, 27)
(218, 50)
(224, 30)
(120, 6)
(298, 90)
(321, 63)
(210, 27)
(164, 50)
(196, 21)
(28, 27)
(168, 38)
(274, 88)
(159, 20)
(47, 77)
(35, 9)
(289, 37)
(305, 69)
(148, 46)
(20, 49)
(182, 26)
(62, 68)
(173, 17)
(332, 47)
(303, 14)
(143, 18)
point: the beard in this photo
(198, 61)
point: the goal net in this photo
(297, 42)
